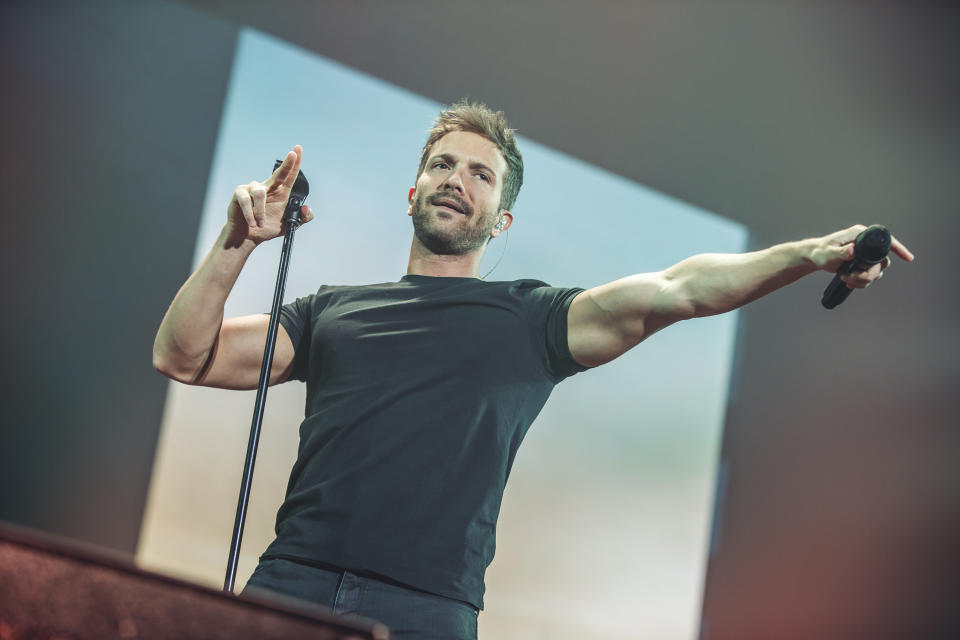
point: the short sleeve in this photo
(562, 363)
(295, 319)
(548, 314)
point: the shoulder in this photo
(326, 292)
(525, 287)
(539, 291)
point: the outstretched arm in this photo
(606, 321)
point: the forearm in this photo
(191, 325)
(709, 284)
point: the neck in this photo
(423, 262)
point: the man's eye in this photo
(440, 165)
(483, 177)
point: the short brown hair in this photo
(478, 118)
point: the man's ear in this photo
(410, 200)
(503, 223)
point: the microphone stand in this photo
(291, 221)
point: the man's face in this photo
(457, 198)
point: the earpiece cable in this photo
(506, 240)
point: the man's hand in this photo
(831, 251)
(255, 212)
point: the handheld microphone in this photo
(870, 247)
(298, 193)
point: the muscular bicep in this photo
(236, 357)
(606, 321)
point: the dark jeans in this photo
(408, 613)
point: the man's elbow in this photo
(172, 367)
(164, 366)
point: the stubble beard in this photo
(440, 239)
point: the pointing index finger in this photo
(286, 174)
(901, 250)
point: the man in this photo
(420, 391)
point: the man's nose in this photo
(454, 181)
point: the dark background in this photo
(841, 511)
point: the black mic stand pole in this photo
(291, 221)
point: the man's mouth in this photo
(449, 203)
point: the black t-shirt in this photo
(418, 395)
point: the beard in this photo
(441, 237)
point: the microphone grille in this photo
(873, 243)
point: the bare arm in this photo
(194, 344)
(606, 321)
